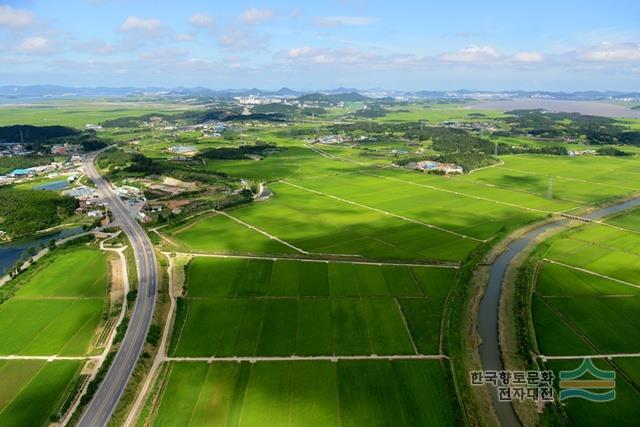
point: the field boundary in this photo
(293, 358)
(593, 273)
(432, 187)
(317, 260)
(415, 221)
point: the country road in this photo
(99, 410)
(488, 314)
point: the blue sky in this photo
(494, 45)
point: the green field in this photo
(31, 391)
(592, 299)
(73, 114)
(372, 393)
(238, 307)
(55, 311)
(623, 411)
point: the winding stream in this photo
(488, 326)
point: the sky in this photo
(563, 45)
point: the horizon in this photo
(350, 43)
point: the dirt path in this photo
(341, 261)
(254, 359)
(593, 273)
(415, 221)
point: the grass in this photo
(50, 314)
(31, 391)
(305, 393)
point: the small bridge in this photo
(575, 217)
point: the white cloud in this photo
(201, 20)
(15, 18)
(610, 52)
(35, 45)
(472, 53)
(342, 21)
(133, 23)
(255, 16)
(528, 57)
(308, 55)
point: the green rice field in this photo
(372, 393)
(53, 314)
(31, 391)
(240, 307)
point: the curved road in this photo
(488, 326)
(99, 410)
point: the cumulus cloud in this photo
(528, 57)
(610, 52)
(472, 53)
(15, 18)
(256, 16)
(342, 21)
(314, 56)
(135, 24)
(35, 45)
(201, 20)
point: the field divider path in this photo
(270, 236)
(341, 261)
(415, 221)
(544, 358)
(593, 273)
(51, 358)
(293, 358)
(584, 181)
(432, 187)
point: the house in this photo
(184, 150)
(21, 173)
(95, 214)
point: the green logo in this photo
(603, 381)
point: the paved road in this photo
(488, 326)
(104, 402)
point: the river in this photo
(11, 252)
(488, 321)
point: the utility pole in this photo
(550, 189)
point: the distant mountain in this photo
(333, 98)
(13, 93)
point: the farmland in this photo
(594, 264)
(50, 314)
(305, 393)
(280, 308)
(30, 390)
(586, 302)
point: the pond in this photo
(52, 186)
